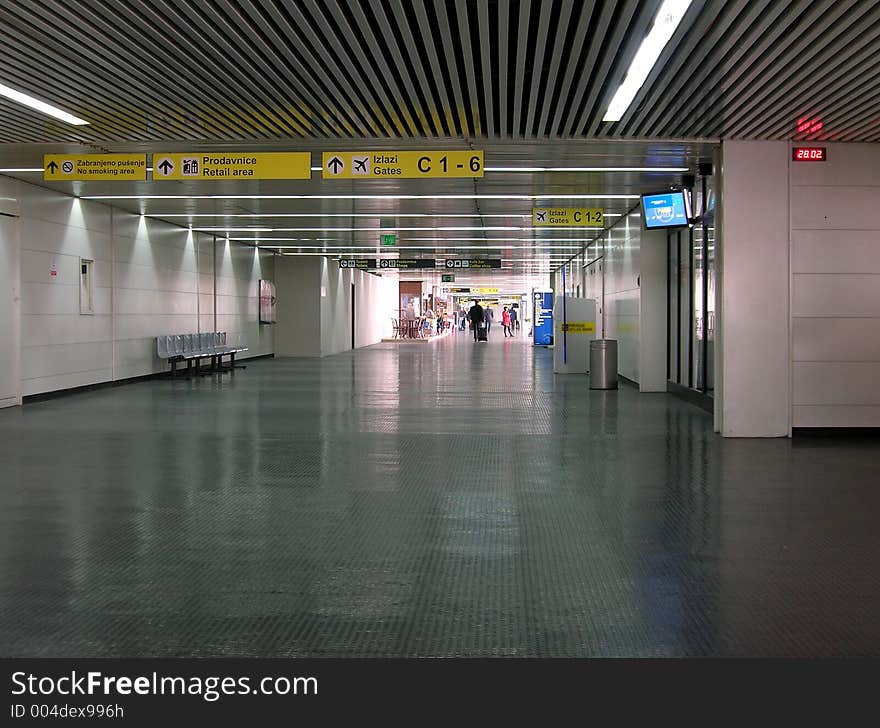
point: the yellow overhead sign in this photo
(578, 327)
(399, 165)
(232, 165)
(106, 167)
(568, 216)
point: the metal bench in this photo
(192, 348)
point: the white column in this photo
(10, 304)
(298, 306)
(756, 385)
(652, 311)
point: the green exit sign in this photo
(389, 239)
(448, 278)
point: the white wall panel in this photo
(49, 298)
(30, 386)
(836, 289)
(150, 278)
(38, 330)
(834, 208)
(846, 165)
(54, 237)
(835, 251)
(838, 339)
(837, 383)
(133, 301)
(137, 326)
(835, 295)
(836, 416)
(137, 357)
(47, 361)
(40, 204)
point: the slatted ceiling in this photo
(520, 69)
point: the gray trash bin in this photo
(603, 364)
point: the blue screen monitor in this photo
(666, 210)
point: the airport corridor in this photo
(442, 499)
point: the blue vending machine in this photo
(542, 330)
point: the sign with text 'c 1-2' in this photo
(474, 263)
(568, 217)
(103, 167)
(402, 165)
(232, 165)
(358, 264)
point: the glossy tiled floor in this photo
(448, 499)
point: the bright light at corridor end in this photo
(666, 21)
(42, 106)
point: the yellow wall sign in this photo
(232, 165)
(105, 167)
(485, 291)
(399, 165)
(568, 216)
(578, 327)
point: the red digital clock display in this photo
(809, 154)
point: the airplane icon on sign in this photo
(360, 165)
(541, 216)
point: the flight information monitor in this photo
(666, 210)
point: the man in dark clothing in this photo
(475, 316)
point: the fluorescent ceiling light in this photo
(236, 230)
(551, 196)
(586, 169)
(338, 214)
(23, 169)
(375, 248)
(498, 228)
(42, 106)
(665, 22)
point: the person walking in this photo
(505, 322)
(514, 320)
(490, 317)
(476, 316)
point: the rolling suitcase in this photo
(481, 332)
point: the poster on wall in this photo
(542, 331)
(267, 302)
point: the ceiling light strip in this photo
(365, 197)
(41, 106)
(666, 21)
